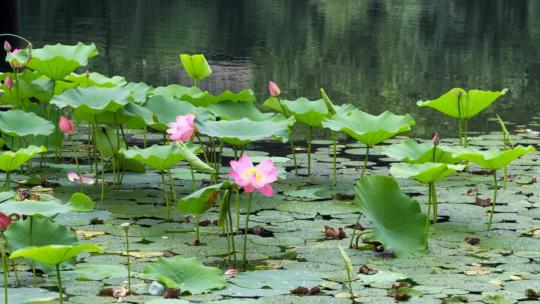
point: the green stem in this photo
(102, 177)
(197, 228)
(465, 132)
(171, 185)
(459, 121)
(166, 195)
(428, 221)
(349, 280)
(60, 296)
(494, 201)
(76, 158)
(505, 180)
(354, 230)
(8, 178)
(128, 261)
(334, 168)
(144, 137)
(202, 147)
(309, 135)
(237, 208)
(193, 186)
(365, 163)
(291, 141)
(434, 202)
(247, 227)
(5, 267)
(229, 215)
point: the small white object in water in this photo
(529, 131)
(156, 289)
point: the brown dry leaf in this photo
(87, 234)
(516, 277)
(496, 282)
(483, 202)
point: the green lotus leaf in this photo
(139, 91)
(38, 232)
(425, 173)
(188, 274)
(243, 131)
(205, 99)
(166, 109)
(370, 129)
(413, 152)
(108, 142)
(229, 110)
(398, 223)
(58, 61)
(308, 112)
(98, 272)
(492, 159)
(10, 124)
(54, 254)
(192, 159)
(470, 103)
(160, 158)
(176, 91)
(21, 57)
(139, 116)
(200, 201)
(196, 66)
(31, 84)
(92, 101)
(47, 206)
(11, 161)
(95, 79)
(81, 202)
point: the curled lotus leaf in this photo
(93, 101)
(229, 110)
(58, 61)
(308, 112)
(10, 124)
(413, 152)
(165, 109)
(199, 98)
(158, 157)
(31, 84)
(370, 129)
(426, 172)
(201, 200)
(196, 66)
(139, 91)
(95, 79)
(458, 103)
(492, 159)
(11, 161)
(243, 131)
(54, 254)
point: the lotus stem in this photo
(292, 150)
(229, 215)
(166, 195)
(459, 121)
(309, 134)
(203, 150)
(76, 159)
(60, 296)
(145, 137)
(8, 178)
(237, 209)
(434, 201)
(349, 281)
(171, 184)
(102, 177)
(30, 242)
(126, 233)
(494, 201)
(218, 166)
(334, 168)
(247, 227)
(197, 228)
(4, 267)
(505, 177)
(365, 162)
(466, 132)
(428, 210)
(354, 230)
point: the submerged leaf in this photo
(425, 173)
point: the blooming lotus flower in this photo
(254, 177)
(274, 89)
(7, 46)
(65, 125)
(83, 178)
(5, 221)
(8, 82)
(182, 129)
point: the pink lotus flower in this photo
(254, 177)
(15, 64)
(5, 221)
(182, 129)
(274, 89)
(231, 273)
(65, 125)
(83, 178)
(8, 82)
(7, 46)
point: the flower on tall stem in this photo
(274, 89)
(7, 46)
(5, 221)
(65, 125)
(8, 82)
(183, 128)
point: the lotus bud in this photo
(87, 73)
(65, 125)
(5, 221)
(436, 139)
(231, 273)
(7, 46)
(8, 82)
(274, 89)
(125, 227)
(156, 289)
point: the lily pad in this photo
(10, 124)
(92, 101)
(10, 161)
(243, 131)
(413, 152)
(425, 173)
(492, 159)
(158, 157)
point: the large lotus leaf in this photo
(205, 99)
(95, 79)
(10, 161)
(370, 129)
(192, 159)
(166, 109)
(93, 101)
(160, 158)
(38, 232)
(58, 61)
(176, 91)
(413, 152)
(196, 66)
(308, 112)
(31, 84)
(470, 103)
(139, 116)
(188, 274)
(10, 124)
(244, 131)
(229, 110)
(98, 272)
(139, 91)
(27, 295)
(426, 172)
(47, 206)
(398, 223)
(492, 159)
(54, 254)
(201, 200)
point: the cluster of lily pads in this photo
(50, 103)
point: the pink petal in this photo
(248, 188)
(266, 190)
(74, 177)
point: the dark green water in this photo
(377, 54)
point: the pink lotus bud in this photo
(274, 89)
(65, 125)
(230, 273)
(16, 51)
(5, 221)
(436, 139)
(8, 82)
(7, 46)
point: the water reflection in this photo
(374, 53)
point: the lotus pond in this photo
(117, 191)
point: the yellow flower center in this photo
(252, 172)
